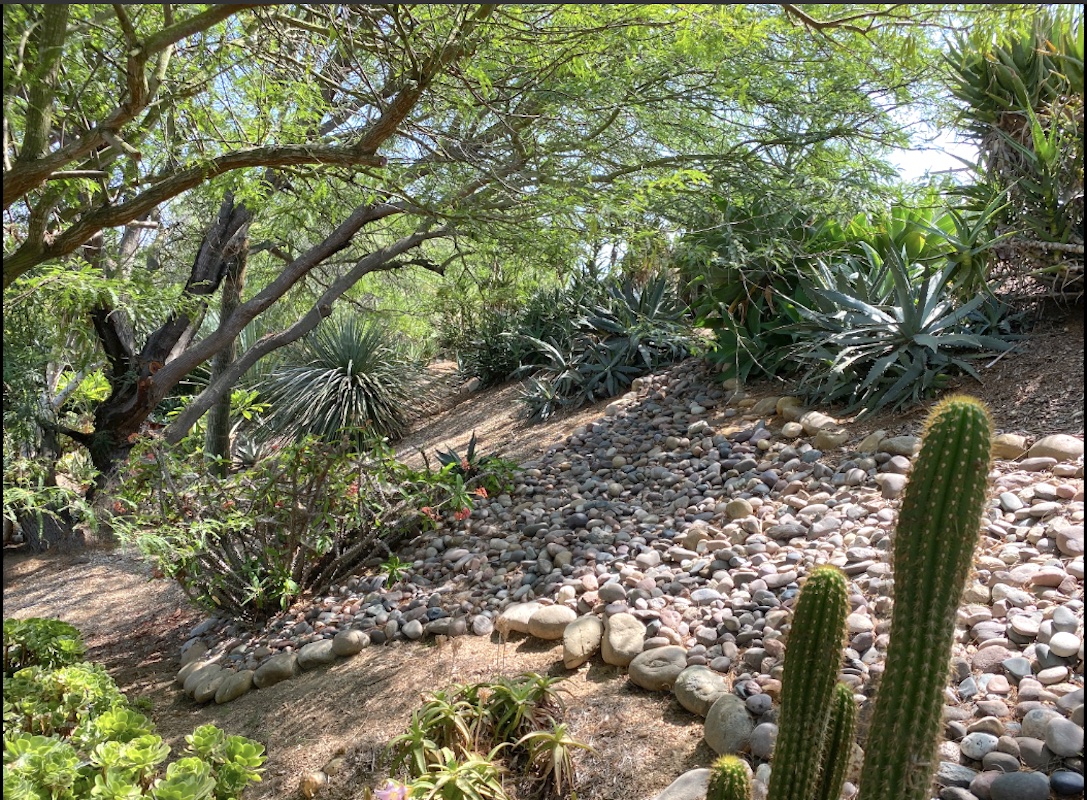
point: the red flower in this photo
(118, 507)
(430, 512)
(353, 490)
(481, 491)
(464, 465)
(228, 504)
(463, 514)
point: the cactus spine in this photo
(838, 746)
(729, 780)
(937, 531)
(812, 659)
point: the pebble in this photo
(1063, 737)
(691, 785)
(975, 745)
(657, 669)
(1020, 786)
(549, 622)
(950, 774)
(1064, 644)
(695, 532)
(763, 738)
(728, 726)
(698, 687)
(581, 640)
(1066, 783)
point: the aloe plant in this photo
(812, 658)
(1022, 101)
(938, 528)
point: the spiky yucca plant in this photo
(347, 374)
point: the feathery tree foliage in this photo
(147, 147)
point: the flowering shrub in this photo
(308, 516)
(299, 520)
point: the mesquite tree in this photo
(347, 140)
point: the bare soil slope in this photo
(136, 625)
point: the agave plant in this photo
(884, 332)
(346, 375)
(605, 344)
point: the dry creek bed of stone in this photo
(669, 538)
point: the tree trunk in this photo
(135, 395)
(217, 439)
(52, 528)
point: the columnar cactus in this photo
(938, 526)
(838, 745)
(729, 780)
(812, 659)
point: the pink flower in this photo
(392, 790)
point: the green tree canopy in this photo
(148, 145)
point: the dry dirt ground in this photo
(135, 625)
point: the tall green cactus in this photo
(938, 526)
(729, 780)
(812, 658)
(838, 745)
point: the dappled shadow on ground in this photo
(642, 740)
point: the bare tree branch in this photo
(29, 173)
(36, 250)
(383, 259)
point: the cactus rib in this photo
(839, 744)
(729, 780)
(938, 526)
(812, 657)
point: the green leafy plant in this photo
(516, 720)
(522, 704)
(491, 472)
(450, 719)
(415, 750)
(469, 776)
(491, 351)
(70, 733)
(307, 516)
(35, 642)
(627, 332)
(43, 510)
(393, 569)
(884, 332)
(740, 259)
(1022, 104)
(347, 374)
